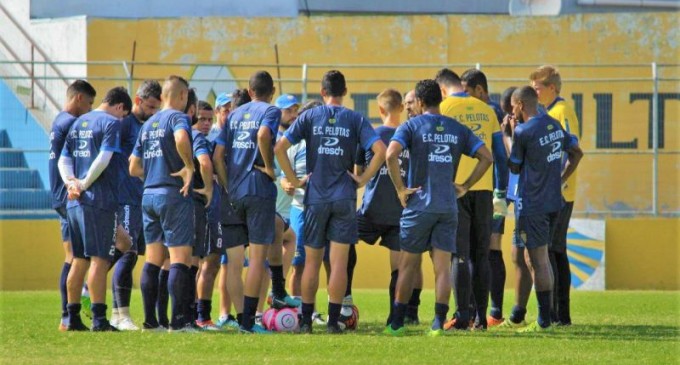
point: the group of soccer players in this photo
(191, 187)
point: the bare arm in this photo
(136, 168)
(206, 170)
(218, 164)
(264, 143)
(485, 160)
(394, 170)
(574, 157)
(378, 159)
(358, 170)
(280, 150)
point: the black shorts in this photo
(559, 238)
(475, 213)
(534, 231)
(370, 232)
(234, 235)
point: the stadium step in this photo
(13, 178)
(11, 157)
(4, 139)
(25, 199)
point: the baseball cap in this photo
(285, 101)
(222, 99)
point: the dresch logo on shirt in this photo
(154, 150)
(242, 141)
(328, 147)
(440, 154)
(82, 150)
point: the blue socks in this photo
(497, 283)
(249, 311)
(122, 279)
(178, 281)
(62, 288)
(278, 282)
(163, 298)
(440, 312)
(98, 314)
(307, 312)
(544, 307)
(149, 286)
(204, 307)
(398, 315)
(333, 313)
(518, 314)
(413, 304)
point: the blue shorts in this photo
(370, 233)
(335, 221)
(297, 223)
(534, 231)
(63, 222)
(93, 232)
(215, 239)
(130, 217)
(201, 227)
(168, 218)
(234, 235)
(498, 225)
(421, 231)
(259, 215)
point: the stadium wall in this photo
(31, 256)
(613, 102)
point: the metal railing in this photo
(632, 149)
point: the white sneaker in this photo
(125, 324)
(114, 320)
(347, 301)
(317, 318)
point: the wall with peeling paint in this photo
(614, 112)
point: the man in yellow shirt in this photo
(547, 82)
(475, 209)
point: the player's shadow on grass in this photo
(608, 332)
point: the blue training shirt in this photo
(435, 143)
(500, 156)
(380, 203)
(130, 188)
(332, 134)
(91, 133)
(537, 148)
(60, 127)
(158, 151)
(242, 153)
(200, 146)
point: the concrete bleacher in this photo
(24, 153)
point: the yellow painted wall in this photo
(641, 254)
(605, 181)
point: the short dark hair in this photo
(528, 96)
(191, 99)
(506, 97)
(118, 95)
(428, 92)
(203, 105)
(446, 77)
(178, 78)
(149, 89)
(240, 97)
(80, 87)
(474, 77)
(261, 83)
(334, 83)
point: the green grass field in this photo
(610, 327)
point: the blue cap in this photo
(285, 101)
(222, 99)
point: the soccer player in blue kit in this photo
(163, 156)
(92, 186)
(130, 188)
(79, 98)
(429, 219)
(246, 143)
(536, 155)
(332, 134)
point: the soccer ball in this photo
(349, 317)
(285, 320)
(268, 318)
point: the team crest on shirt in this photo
(154, 124)
(84, 124)
(550, 127)
(246, 116)
(440, 128)
(469, 108)
(331, 121)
